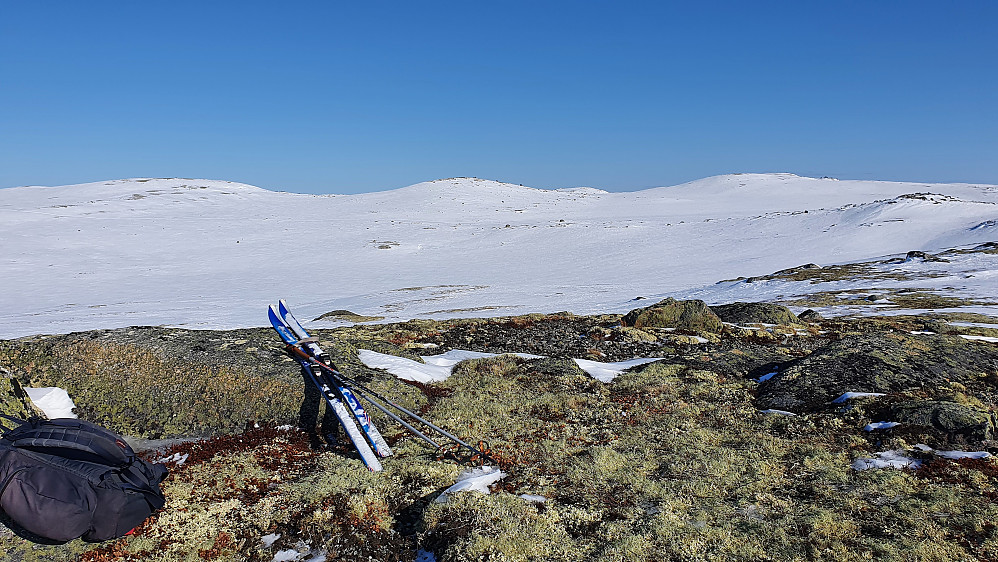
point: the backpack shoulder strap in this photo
(16, 421)
(72, 439)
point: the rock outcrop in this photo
(691, 315)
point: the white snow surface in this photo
(435, 368)
(901, 458)
(438, 367)
(53, 401)
(606, 372)
(989, 339)
(212, 254)
(850, 395)
(475, 480)
(887, 459)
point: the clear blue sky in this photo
(337, 97)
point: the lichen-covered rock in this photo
(755, 313)
(691, 315)
(949, 417)
(810, 315)
(13, 400)
(347, 316)
(168, 382)
(875, 362)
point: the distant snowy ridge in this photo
(211, 254)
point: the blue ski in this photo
(334, 398)
(378, 442)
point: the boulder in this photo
(755, 313)
(691, 315)
(876, 362)
(810, 315)
(949, 417)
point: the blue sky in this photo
(336, 97)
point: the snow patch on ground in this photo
(54, 401)
(606, 372)
(903, 459)
(979, 338)
(474, 480)
(850, 395)
(176, 458)
(887, 459)
(438, 367)
(880, 425)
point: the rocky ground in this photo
(674, 460)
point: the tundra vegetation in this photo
(673, 460)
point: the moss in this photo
(755, 312)
(670, 313)
(671, 461)
(347, 316)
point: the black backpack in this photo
(66, 478)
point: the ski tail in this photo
(346, 420)
(378, 442)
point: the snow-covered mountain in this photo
(213, 254)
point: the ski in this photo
(330, 392)
(378, 442)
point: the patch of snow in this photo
(438, 367)
(606, 372)
(533, 498)
(880, 425)
(175, 458)
(851, 395)
(963, 454)
(980, 338)
(404, 368)
(54, 401)
(286, 555)
(777, 412)
(474, 480)
(974, 325)
(887, 459)
(955, 455)
(319, 556)
(455, 356)
(435, 369)
(269, 540)
(921, 333)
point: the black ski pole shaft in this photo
(331, 383)
(392, 415)
(297, 352)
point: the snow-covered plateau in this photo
(213, 254)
